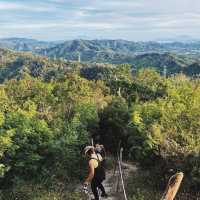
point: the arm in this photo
(90, 174)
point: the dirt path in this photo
(113, 182)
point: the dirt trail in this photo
(112, 180)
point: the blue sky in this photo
(99, 19)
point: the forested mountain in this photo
(112, 51)
(173, 57)
(24, 44)
(115, 51)
(16, 64)
(170, 62)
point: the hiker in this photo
(95, 176)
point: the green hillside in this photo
(115, 51)
(16, 64)
(24, 44)
(174, 63)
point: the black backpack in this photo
(99, 173)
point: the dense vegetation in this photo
(49, 109)
(15, 64)
(44, 127)
(115, 51)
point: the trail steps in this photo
(112, 179)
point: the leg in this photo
(101, 187)
(94, 189)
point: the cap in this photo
(87, 148)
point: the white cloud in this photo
(68, 25)
(57, 1)
(100, 17)
(10, 6)
(7, 6)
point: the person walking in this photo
(95, 175)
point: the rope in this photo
(120, 171)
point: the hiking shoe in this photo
(104, 195)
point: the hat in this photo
(87, 148)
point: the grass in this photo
(143, 186)
(140, 187)
(38, 192)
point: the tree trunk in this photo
(173, 186)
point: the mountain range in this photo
(24, 44)
(36, 55)
(112, 51)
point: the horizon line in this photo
(161, 40)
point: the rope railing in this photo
(171, 189)
(121, 174)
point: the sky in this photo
(99, 19)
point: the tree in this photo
(113, 124)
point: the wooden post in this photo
(121, 154)
(116, 161)
(173, 186)
(118, 177)
(92, 142)
(119, 160)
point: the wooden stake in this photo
(173, 186)
(92, 142)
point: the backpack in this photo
(99, 173)
(101, 151)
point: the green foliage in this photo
(51, 109)
(140, 186)
(29, 141)
(113, 123)
(138, 196)
(44, 126)
(99, 65)
(168, 127)
(38, 192)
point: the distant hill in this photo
(192, 70)
(17, 64)
(109, 51)
(171, 62)
(115, 51)
(24, 44)
(179, 38)
(101, 51)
